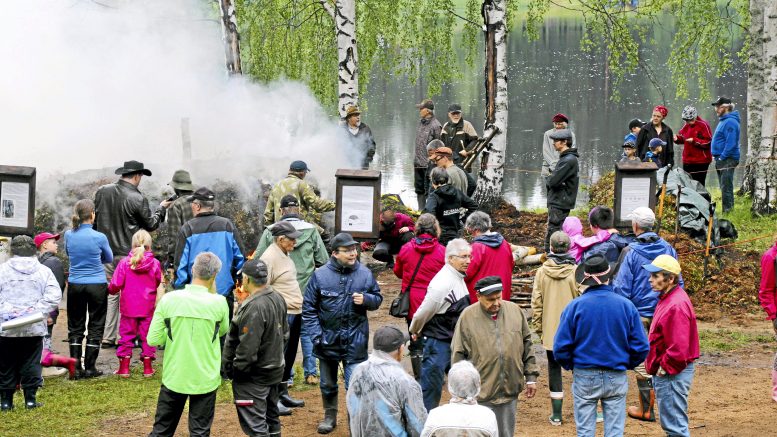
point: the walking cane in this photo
(709, 240)
(677, 213)
(661, 199)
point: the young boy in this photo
(635, 126)
(655, 147)
(629, 152)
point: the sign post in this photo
(17, 200)
(358, 203)
(635, 186)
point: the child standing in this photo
(574, 229)
(656, 146)
(629, 152)
(137, 277)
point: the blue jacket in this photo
(725, 140)
(88, 250)
(208, 232)
(610, 249)
(600, 329)
(338, 327)
(632, 281)
(630, 137)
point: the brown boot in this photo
(647, 397)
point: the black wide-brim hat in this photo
(594, 265)
(133, 167)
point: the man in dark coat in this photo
(458, 134)
(428, 129)
(562, 183)
(179, 213)
(446, 203)
(334, 312)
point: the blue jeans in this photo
(672, 399)
(591, 385)
(725, 169)
(329, 368)
(308, 360)
(436, 362)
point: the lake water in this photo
(546, 76)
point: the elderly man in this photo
(283, 279)
(334, 312)
(259, 325)
(457, 176)
(491, 255)
(384, 399)
(428, 130)
(562, 183)
(179, 213)
(458, 134)
(725, 148)
(188, 324)
(358, 136)
(633, 283)
(295, 185)
(463, 411)
(599, 337)
(309, 253)
(674, 345)
(27, 289)
(396, 229)
(446, 202)
(505, 361)
(550, 154)
(120, 211)
(436, 318)
(209, 232)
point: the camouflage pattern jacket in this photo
(309, 202)
(179, 213)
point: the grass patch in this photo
(748, 225)
(726, 340)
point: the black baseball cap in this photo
(299, 166)
(454, 107)
(636, 123)
(489, 285)
(721, 101)
(289, 200)
(389, 338)
(254, 268)
(203, 193)
(285, 229)
(343, 239)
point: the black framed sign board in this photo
(17, 200)
(358, 203)
(635, 186)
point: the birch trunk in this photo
(763, 142)
(343, 12)
(231, 37)
(489, 188)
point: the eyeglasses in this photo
(351, 250)
(462, 256)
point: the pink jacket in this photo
(574, 228)
(138, 286)
(767, 292)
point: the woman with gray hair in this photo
(463, 415)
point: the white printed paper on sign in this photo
(635, 192)
(14, 198)
(356, 212)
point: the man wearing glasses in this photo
(334, 314)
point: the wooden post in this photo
(231, 37)
(186, 140)
(490, 71)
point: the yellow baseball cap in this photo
(663, 263)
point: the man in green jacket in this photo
(188, 323)
(295, 185)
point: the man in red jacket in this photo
(491, 255)
(674, 345)
(695, 136)
(396, 229)
(767, 294)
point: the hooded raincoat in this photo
(554, 288)
(407, 261)
(491, 256)
(27, 286)
(574, 228)
(137, 285)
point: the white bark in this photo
(763, 142)
(491, 176)
(344, 15)
(231, 37)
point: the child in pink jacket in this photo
(137, 277)
(574, 228)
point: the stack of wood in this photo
(522, 288)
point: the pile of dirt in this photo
(521, 228)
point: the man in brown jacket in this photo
(486, 335)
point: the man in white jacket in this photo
(436, 318)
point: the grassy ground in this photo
(727, 340)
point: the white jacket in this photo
(27, 286)
(460, 419)
(444, 289)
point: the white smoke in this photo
(90, 84)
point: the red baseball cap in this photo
(40, 238)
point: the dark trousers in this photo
(169, 408)
(83, 299)
(20, 362)
(555, 384)
(290, 349)
(257, 408)
(416, 347)
(698, 172)
(231, 307)
(388, 247)
(725, 169)
(435, 364)
(328, 370)
(419, 181)
(556, 217)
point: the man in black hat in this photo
(428, 130)
(600, 336)
(562, 183)
(207, 232)
(120, 211)
(179, 212)
(458, 134)
(259, 325)
(294, 184)
(358, 136)
(334, 312)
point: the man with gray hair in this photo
(428, 130)
(463, 415)
(633, 282)
(260, 324)
(491, 255)
(189, 323)
(436, 318)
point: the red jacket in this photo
(491, 256)
(407, 260)
(767, 292)
(698, 150)
(400, 221)
(674, 337)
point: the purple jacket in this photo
(138, 286)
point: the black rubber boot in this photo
(90, 362)
(286, 399)
(330, 414)
(415, 362)
(6, 400)
(76, 351)
(29, 398)
(283, 410)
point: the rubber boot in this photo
(556, 402)
(330, 414)
(29, 398)
(76, 352)
(415, 363)
(90, 361)
(774, 385)
(6, 400)
(54, 360)
(148, 369)
(647, 397)
(283, 410)
(124, 367)
(286, 399)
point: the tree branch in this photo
(328, 8)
